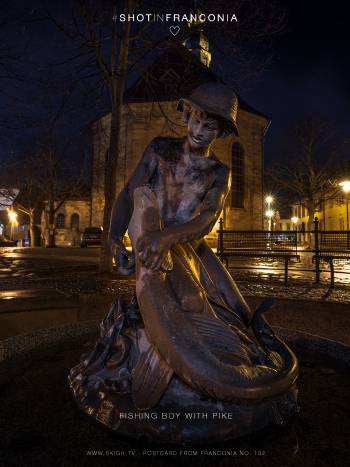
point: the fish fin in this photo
(222, 341)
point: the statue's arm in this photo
(123, 205)
(154, 246)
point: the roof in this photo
(175, 74)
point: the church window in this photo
(60, 221)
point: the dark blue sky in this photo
(309, 74)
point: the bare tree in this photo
(40, 180)
(312, 159)
(57, 184)
(20, 189)
(88, 31)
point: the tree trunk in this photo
(31, 229)
(311, 226)
(111, 163)
(51, 217)
(117, 86)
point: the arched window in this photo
(74, 221)
(60, 221)
(237, 166)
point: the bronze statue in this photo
(188, 342)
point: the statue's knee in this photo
(193, 301)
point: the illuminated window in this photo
(74, 221)
(60, 221)
(237, 166)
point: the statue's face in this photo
(201, 129)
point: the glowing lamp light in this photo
(269, 199)
(294, 219)
(12, 216)
(345, 186)
(269, 213)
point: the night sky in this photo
(309, 73)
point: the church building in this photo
(150, 110)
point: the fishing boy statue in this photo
(188, 341)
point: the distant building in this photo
(70, 221)
(332, 214)
(150, 110)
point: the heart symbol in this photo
(174, 30)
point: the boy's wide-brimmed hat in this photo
(217, 99)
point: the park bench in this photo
(332, 247)
(276, 245)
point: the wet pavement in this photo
(303, 270)
(33, 261)
(75, 270)
(63, 285)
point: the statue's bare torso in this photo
(181, 180)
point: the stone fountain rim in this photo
(22, 344)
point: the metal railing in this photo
(259, 244)
(331, 247)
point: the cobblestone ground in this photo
(75, 282)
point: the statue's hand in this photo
(152, 249)
(124, 259)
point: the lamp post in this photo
(269, 212)
(294, 220)
(13, 221)
(346, 188)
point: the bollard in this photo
(317, 252)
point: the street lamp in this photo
(269, 212)
(346, 188)
(13, 221)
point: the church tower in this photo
(197, 42)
